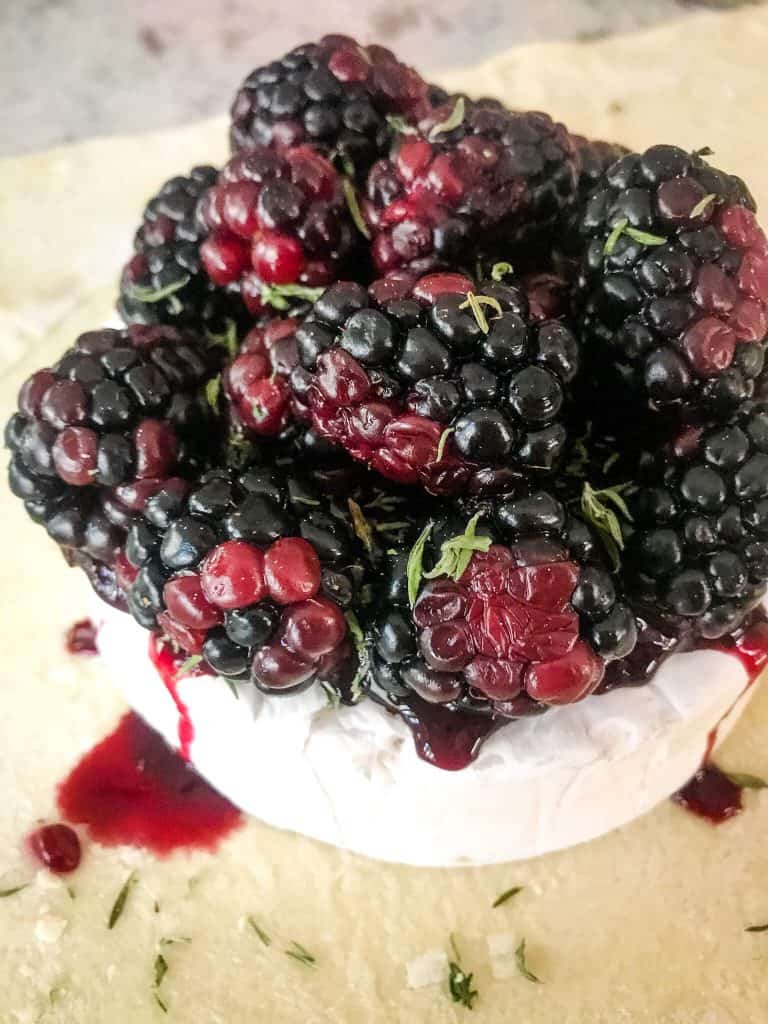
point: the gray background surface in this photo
(77, 68)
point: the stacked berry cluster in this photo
(420, 397)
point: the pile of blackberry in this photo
(421, 398)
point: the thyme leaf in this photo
(507, 895)
(300, 953)
(186, 666)
(354, 207)
(500, 270)
(522, 964)
(122, 898)
(453, 120)
(360, 524)
(475, 303)
(145, 293)
(415, 563)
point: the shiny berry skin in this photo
(291, 571)
(313, 628)
(187, 604)
(233, 575)
(57, 847)
(566, 679)
(275, 668)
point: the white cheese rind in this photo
(351, 776)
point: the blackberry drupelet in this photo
(254, 570)
(277, 225)
(120, 412)
(164, 282)
(334, 94)
(594, 158)
(700, 546)
(503, 611)
(673, 284)
(452, 387)
(474, 175)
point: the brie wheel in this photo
(351, 776)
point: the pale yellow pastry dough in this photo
(644, 926)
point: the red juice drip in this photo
(443, 738)
(81, 638)
(132, 789)
(169, 665)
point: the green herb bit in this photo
(475, 303)
(522, 966)
(71, 892)
(443, 442)
(622, 228)
(259, 412)
(459, 983)
(143, 293)
(415, 563)
(259, 931)
(644, 237)
(161, 969)
(615, 235)
(122, 898)
(232, 686)
(298, 952)
(604, 518)
(398, 124)
(501, 270)
(163, 1006)
(186, 666)
(702, 205)
(505, 896)
(453, 120)
(228, 340)
(704, 151)
(356, 632)
(456, 553)
(333, 695)
(5, 893)
(277, 295)
(756, 928)
(360, 524)
(175, 940)
(745, 781)
(354, 207)
(213, 392)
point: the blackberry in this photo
(473, 175)
(334, 94)
(255, 382)
(275, 220)
(120, 412)
(447, 388)
(674, 283)
(254, 570)
(505, 611)
(164, 282)
(700, 546)
(594, 159)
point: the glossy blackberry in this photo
(276, 224)
(164, 282)
(334, 94)
(700, 546)
(505, 611)
(254, 570)
(119, 413)
(674, 282)
(492, 176)
(452, 387)
(594, 158)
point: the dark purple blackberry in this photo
(474, 175)
(452, 387)
(119, 412)
(505, 611)
(674, 283)
(334, 94)
(255, 570)
(594, 159)
(164, 282)
(700, 544)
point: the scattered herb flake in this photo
(398, 124)
(157, 906)
(522, 966)
(143, 293)
(609, 462)
(277, 295)
(240, 450)
(227, 340)
(615, 235)
(453, 120)
(415, 563)
(259, 931)
(354, 207)
(756, 928)
(475, 303)
(4, 893)
(456, 553)
(459, 983)
(213, 392)
(233, 686)
(360, 524)
(71, 892)
(353, 625)
(644, 237)
(161, 969)
(702, 205)
(175, 940)
(298, 952)
(443, 442)
(704, 151)
(500, 270)
(506, 896)
(259, 412)
(186, 666)
(745, 781)
(163, 1006)
(604, 518)
(122, 898)
(333, 695)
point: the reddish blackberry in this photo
(474, 174)
(700, 546)
(119, 412)
(277, 224)
(334, 94)
(254, 571)
(164, 282)
(256, 381)
(453, 388)
(674, 283)
(505, 612)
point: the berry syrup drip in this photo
(170, 669)
(443, 738)
(710, 794)
(132, 789)
(56, 847)
(81, 638)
